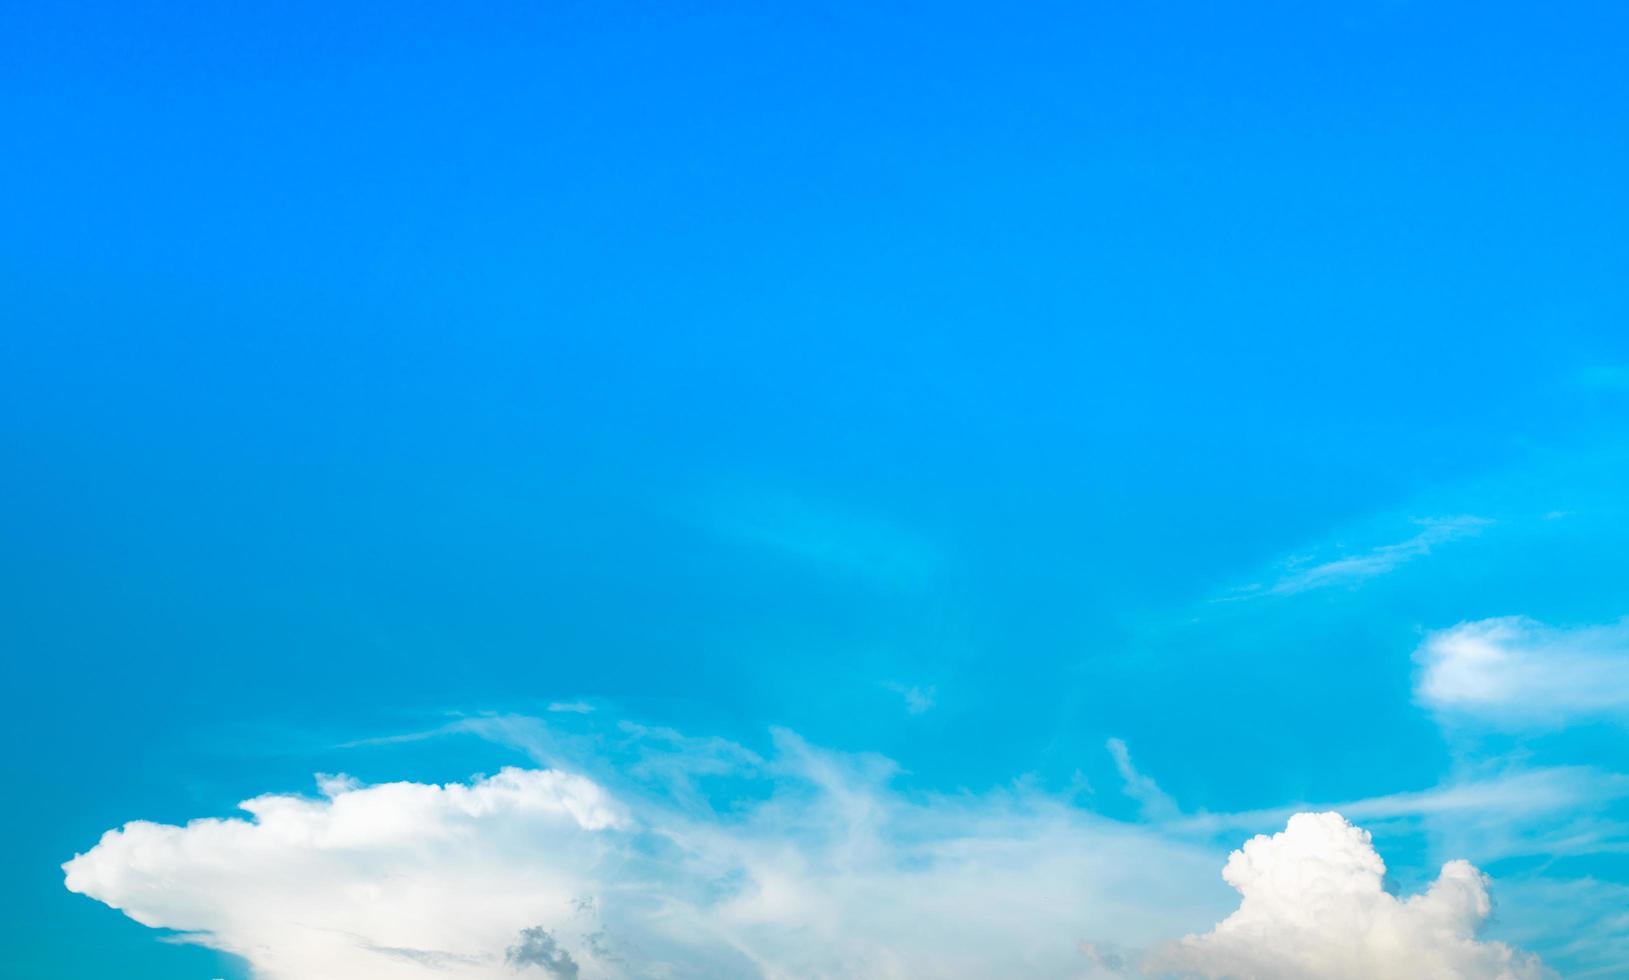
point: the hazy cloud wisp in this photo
(1513, 671)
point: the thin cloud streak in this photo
(1352, 570)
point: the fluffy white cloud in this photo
(1315, 908)
(830, 873)
(537, 872)
(392, 881)
(1515, 671)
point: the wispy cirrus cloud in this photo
(571, 707)
(1156, 804)
(1349, 570)
(825, 537)
(1551, 811)
(1509, 793)
(919, 699)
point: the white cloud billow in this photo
(1314, 907)
(829, 874)
(1516, 671)
(401, 880)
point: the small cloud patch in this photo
(537, 947)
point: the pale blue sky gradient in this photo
(1157, 372)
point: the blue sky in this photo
(961, 387)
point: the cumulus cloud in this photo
(814, 867)
(1515, 671)
(399, 880)
(1314, 907)
(829, 874)
(540, 949)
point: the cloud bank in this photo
(1515, 672)
(816, 868)
(1314, 905)
(539, 872)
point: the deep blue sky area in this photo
(757, 365)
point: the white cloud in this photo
(1515, 671)
(1351, 570)
(1156, 803)
(830, 874)
(1502, 813)
(400, 880)
(1515, 798)
(918, 700)
(571, 707)
(1314, 907)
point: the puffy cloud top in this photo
(830, 874)
(543, 872)
(1315, 908)
(361, 881)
